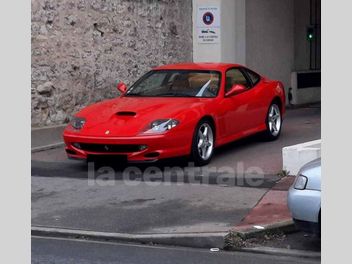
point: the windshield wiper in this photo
(134, 94)
(174, 94)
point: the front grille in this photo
(110, 148)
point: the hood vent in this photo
(126, 113)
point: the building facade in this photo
(80, 47)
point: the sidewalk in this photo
(271, 212)
(149, 210)
(139, 207)
(46, 138)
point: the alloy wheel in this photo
(274, 120)
(205, 141)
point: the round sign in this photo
(208, 18)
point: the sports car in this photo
(178, 110)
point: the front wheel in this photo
(203, 143)
(273, 122)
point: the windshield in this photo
(177, 83)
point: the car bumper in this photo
(305, 207)
(140, 148)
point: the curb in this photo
(284, 226)
(45, 137)
(47, 147)
(195, 240)
(282, 252)
(49, 127)
(199, 240)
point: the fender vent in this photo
(126, 113)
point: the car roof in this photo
(198, 66)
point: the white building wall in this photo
(270, 38)
(232, 45)
(265, 35)
(233, 18)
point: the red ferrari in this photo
(179, 110)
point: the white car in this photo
(304, 198)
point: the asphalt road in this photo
(64, 195)
(49, 250)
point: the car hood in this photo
(128, 116)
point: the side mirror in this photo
(236, 89)
(122, 87)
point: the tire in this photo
(273, 122)
(203, 143)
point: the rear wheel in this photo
(203, 143)
(273, 122)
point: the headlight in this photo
(161, 125)
(78, 122)
(301, 182)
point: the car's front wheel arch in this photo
(211, 121)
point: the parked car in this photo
(179, 110)
(304, 198)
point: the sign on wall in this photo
(208, 24)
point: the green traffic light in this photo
(310, 33)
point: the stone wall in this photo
(80, 48)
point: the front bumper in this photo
(155, 147)
(305, 207)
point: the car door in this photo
(238, 110)
(258, 98)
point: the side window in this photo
(235, 76)
(255, 78)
